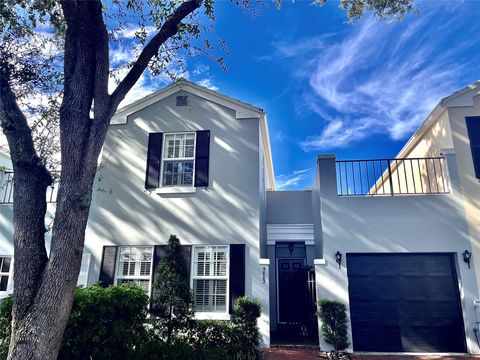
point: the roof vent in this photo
(182, 100)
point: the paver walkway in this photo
(310, 354)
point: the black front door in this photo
(405, 303)
(291, 290)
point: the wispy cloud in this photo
(381, 79)
(293, 180)
(285, 49)
(208, 84)
(296, 172)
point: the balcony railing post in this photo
(390, 181)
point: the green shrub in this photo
(333, 315)
(213, 339)
(245, 314)
(105, 323)
(5, 321)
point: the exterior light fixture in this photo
(338, 259)
(467, 256)
(290, 248)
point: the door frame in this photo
(277, 282)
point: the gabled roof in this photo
(242, 109)
(454, 100)
(449, 100)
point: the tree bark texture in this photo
(45, 286)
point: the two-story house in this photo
(394, 239)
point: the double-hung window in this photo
(210, 278)
(134, 265)
(5, 272)
(178, 159)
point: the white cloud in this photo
(293, 180)
(296, 172)
(285, 49)
(208, 84)
(382, 79)
(129, 32)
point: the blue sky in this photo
(358, 90)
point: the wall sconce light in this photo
(338, 259)
(290, 248)
(467, 256)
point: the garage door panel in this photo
(413, 305)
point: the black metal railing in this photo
(6, 187)
(403, 176)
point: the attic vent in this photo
(182, 100)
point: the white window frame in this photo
(9, 288)
(178, 188)
(134, 277)
(211, 315)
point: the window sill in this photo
(176, 190)
(211, 316)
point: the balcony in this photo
(6, 187)
(392, 177)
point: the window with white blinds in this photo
(5, 272)
(210, 278)
(178, 159)
(134, 265)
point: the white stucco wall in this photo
(399, 224)
(227, 212)
(470, 185)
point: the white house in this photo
(387, 237)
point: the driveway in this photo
(310, 354)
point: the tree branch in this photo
(15, 127)
(168, 29)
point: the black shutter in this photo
(187, 253)
(158, 253)
(237, 273)
(473, 127)
(107, 267)
(154, 156)
(202, 154)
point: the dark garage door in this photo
(405, 302)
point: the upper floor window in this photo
(5, 272)
(473, 128)
(135, 266)
(178, 161)
(210, 278)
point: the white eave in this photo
(454, 100)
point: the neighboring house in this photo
(387, 237)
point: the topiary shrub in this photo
(333, 315)
(172, 299)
